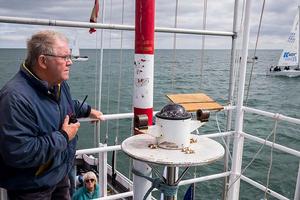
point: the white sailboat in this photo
(76, 52)
(288, 64)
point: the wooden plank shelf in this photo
(195, 101)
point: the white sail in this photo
(289, 55)
(75, 48)
(75, 51)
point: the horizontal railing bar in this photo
(222, 134)
(98, 149)
(203, 178)
(50, 22)
(191, 31)
(272, 115)
(270, 144)
(263, 188)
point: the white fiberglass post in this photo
(143, 82)
(234, 180)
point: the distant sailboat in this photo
(288, 64)
(252, 60)
(76, 53)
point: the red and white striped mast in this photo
(143, 80)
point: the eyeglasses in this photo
(66, 58)
(90, 180)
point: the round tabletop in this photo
(205, 151)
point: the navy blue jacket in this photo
(34, 153)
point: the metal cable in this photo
(203, 42)
(114, 157)
(254, 54)
(109, 76)
(174, 47)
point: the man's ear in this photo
(42, 60)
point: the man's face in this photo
(58, 65)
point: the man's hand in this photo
(95, 114)
(71, 129)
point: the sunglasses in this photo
(89, 180)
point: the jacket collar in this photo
(42, 85)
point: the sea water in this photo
(180, 72)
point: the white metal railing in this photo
(272, 115)
(213, 135)
(270, 144)
(263, 188)
(51, 22)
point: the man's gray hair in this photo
(41, 43)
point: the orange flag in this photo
(94, 15)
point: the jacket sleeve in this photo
(22, 144)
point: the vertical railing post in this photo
(297, 189)
(234, 180)
(102, 163)
(230, 93)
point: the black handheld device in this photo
(73, 118)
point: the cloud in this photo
(277, 21)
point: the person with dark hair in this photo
(90, 188)
(37, 138)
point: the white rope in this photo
(271, 156)
(223, 140)
(276, 117)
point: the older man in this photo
(37, 141)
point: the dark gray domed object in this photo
(173, 112)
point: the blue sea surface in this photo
(180, 72)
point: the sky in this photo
(277, 20)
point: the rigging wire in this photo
(109, 74)
(174, 47)
(96, 87)
(99, 77)
(203, 43)
(201, 72)
(114, 156)
(132, 126)
(254, 54)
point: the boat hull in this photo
(80, 59)
(287, 73)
